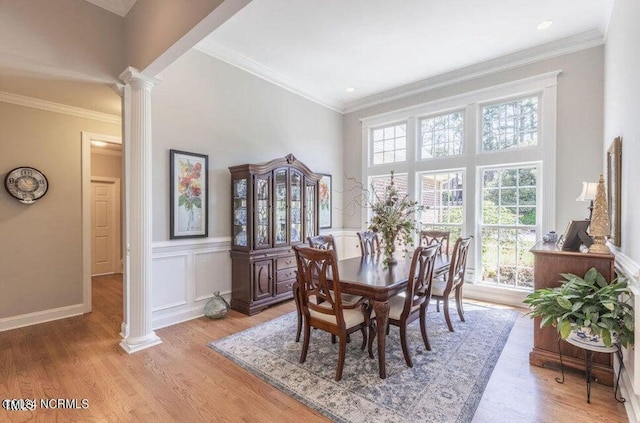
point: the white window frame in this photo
(473, 158)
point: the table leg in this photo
(381, 309)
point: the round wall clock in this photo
(26, 184)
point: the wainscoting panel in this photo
(186, 273)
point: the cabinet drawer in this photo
(286, 262)
(285, 286)
(286, 274)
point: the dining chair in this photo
(322, 306)
(369, 243)
(454, 280)
(322, 242)
(432, 237)
(412, 304)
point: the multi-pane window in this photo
(389, 144)
(512, 124)
(442, 136)
(508, 228)
(379, 184)
(441, 195)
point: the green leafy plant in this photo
(591, 303)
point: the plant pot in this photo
(584, 338)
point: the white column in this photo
(137, 138)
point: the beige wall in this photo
(41, 248)
(622, 111)
(206, 106)
(106, 165)
(579, 126)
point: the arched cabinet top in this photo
(287, 161)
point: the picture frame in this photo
(189, 195)
(575, 235)
(614, 179)
(324, 198)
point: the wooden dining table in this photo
(369, 277)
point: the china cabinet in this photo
(274, 207)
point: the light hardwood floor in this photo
(183, 380)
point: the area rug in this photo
(444, 385)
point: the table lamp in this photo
(588, 194)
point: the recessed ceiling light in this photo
(350, 90)
(98, 143)
(544, 25)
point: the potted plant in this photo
(590, 306)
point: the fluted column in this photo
(137, 138)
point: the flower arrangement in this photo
(392, 218)
(190, 189)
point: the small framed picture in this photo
(189, 195)
(325, 201)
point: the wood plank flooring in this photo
(182, 380)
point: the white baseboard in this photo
(43, 316)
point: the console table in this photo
(549, 263)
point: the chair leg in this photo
(459, 302)
(342, 352)
(296, 293)
(364, 338)
(372, 335)
(423, 328)
(333, 339)
(438, 305)
(405, 347)
(305, 343)
(445, 302)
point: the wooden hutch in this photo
(549, 263)
(274, 206)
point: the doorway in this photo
(102, 217)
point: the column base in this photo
(131, 345)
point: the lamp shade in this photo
(588, 191)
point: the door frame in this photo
(87, 137)
(116, 209)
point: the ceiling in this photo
(382, 48)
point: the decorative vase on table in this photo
(217, 307)
(392, 217)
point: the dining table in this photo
(369, 276)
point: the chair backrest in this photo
(429, 237)
(420, 277)
(369, 243)
(315, 266)
(322, 242)
(458, 262)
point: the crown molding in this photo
(50, 106)
(237, 60)
(523, 57)
(119, 7)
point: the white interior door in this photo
(104, 228)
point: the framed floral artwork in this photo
(325, 202)
(189, 194)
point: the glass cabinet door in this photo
(295, 207)
(310, 210)
(262, 211)
(240, 212)
(280, 203)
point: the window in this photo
(509, 222)
(513, 124)
(389, 144)
(379, 184)
(442, 135)
(441, 196)
(493, 176)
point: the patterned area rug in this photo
(444, 385)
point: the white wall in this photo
(206, 106)
(579, 125)
(621, 112)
